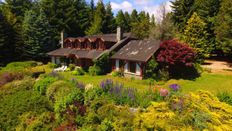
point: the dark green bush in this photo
(42, 84)
(25, 64)
(225, 97)
(103, 63)
(78, 71)
(118, 73)
(71, 67)
(95, 70)
(151, 69)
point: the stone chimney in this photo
(62, 37)
(119, 34)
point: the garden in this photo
(33, 97)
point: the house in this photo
(134, 56)
(82, 51)
(129, 54)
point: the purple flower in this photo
(174, 87)
(80, 85)
(106, 84)
(164, 92)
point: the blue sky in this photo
(151, 6)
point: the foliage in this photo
(71, 67)
(25, 64)
(118, 73)
(103, 62)
(22, 98)
(122, 22)
(37, 34)
(78, 71)
(9, 77)
(58, 90)
(223, 27)
(71, 104)
(52, 65)
(195, 112)
(178, 59)
(42, 84)
(95, 70)
(225, 97)
(195, 34)
(151, 69)
(32, 121)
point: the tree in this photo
(37, 35)
(195, 34)
(182, 11)
(223, 27)
(110, 21)
(141, 29)
(122, 22)
(164, 29)
(134, 16)
(97, 26)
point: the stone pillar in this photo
(117, 65)
(53, 60)
(138, 69)
(119, 34)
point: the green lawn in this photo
(210, 82)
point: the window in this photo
(132, 67)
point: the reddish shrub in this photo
(9, 76)
(174, 53)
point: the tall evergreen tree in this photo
(134, 16)
(122, 22)
(110, 20)
(99, 20)
(38, 35)
(182, 11)
(223, 27)
(195, 34)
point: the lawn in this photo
(208, 81)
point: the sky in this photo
(151, 6)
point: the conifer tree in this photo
(110, 20)
(38, 35)
(195, 34)
(134, 16)
(98, 21)
(223, 27)
(122, 22)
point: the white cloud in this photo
(156, 10)
(125, 6)
(142, 2)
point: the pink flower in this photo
(164, 92)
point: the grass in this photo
(214, 83)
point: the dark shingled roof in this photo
(89, 54)
(104, 37)
(138, 50)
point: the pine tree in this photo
(195, 34)
(134, 16)
(182, 11)
(122, 22)
(153, 20)
(223, 27)
(99, 20)
(37, 35)
(110, 21)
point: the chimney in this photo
(62, 35)
(119, 34)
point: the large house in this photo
(131, 55)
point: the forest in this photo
(31, 28)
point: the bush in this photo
(95, 70)
(151, 69)
(225, 97)
(58, 90)
(52, 65)
(26, 64)
(78, 71)
(103, 63)
(71, 67)
(117, 73)
(42, 84)
(10, 76)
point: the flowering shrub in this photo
(174, 87)
(174, 53)
(106, 84)
(10, 76)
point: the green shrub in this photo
(42, 84)
(73, 102)
(71, 67)
(95, 70)
(163, 74)
(106, 125)
(78, 71)
(151, 69)
(225, 97)
(117, 73)
(25, 64)
(103, 63)
(58, 90)
(52, 65)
